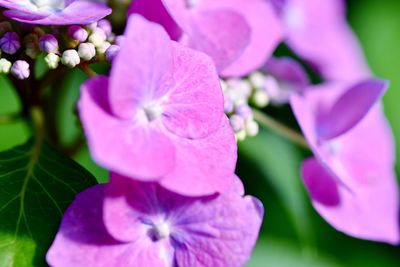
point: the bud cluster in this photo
(240, 95)
(69, 46)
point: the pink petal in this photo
(266, 33)
(338, 55)
(368, 212)
(154, 10)
(120, 145)
(142, 62)
(193, 106)
(203, 166)
(350, 108)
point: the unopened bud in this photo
(77, 33)
(252, 128)
(5, 66)
(48, 43)
(20, 69)
(52, 60)
(10, 43)
(70, 58)
(111, 52)
(98, 37)
(86, 51)
(237, 123)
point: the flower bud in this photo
(257, 80)
(10, 43)
(48, 43)
(119, 40)
(105, 25)
(86, 51)
(5, 66)
(228, 104)
(260, 98)
(237, 123)
(103, 48)
(70, 58)
(52, 60)
(98, 37)
(244, 111)
(78, 33)
(20, 69)
(111, 52)
(251, 127)
(241, 135)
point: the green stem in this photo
(88, 70)
(280, 128)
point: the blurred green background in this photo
(293, 234)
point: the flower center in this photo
(50, 5)
(161, 230)
(152, 112)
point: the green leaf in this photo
(279, 162)
(275, 252)
(36, 186)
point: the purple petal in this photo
(318, 32)
(83, 240)
(266, 34)
(369, 211)
(193, 106)
(71, 14)
(120, 144)
(287, 70)
(203, 166)
(350, 108)
(209, 231)
(154, 10)
(140, 66)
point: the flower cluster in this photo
(184, 81)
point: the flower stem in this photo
(280, 128)
(88, 70)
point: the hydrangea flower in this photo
(239, 37)
(285, 76)
(318, 32)
(351, 179)
(160, 117)
(128, 223)
(54, 12)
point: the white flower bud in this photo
(103, 48)
(98, 37)
(52, 60)
(260, 98)
(252, 128)
(70, 58)
(86, 51)
(257, 80)
(240, 136)
(5, 66)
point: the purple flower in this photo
(160, 115)
(54, 12)
(286, 77)
(238, 36)
(318, 32)
(10, 43)
(351, 179)
(128, 223)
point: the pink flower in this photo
(128, 223)
(239, 36)
(159, 117)
(351, 180)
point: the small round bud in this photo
(5, 66)
(244, 111)
(52, 60)
(70, 58)
(103, 48)
(228, 104)
(5, 26)
(10, 43)
(105, 25)
(86, 51)
(119, 40)
(20, 69)
(241, 136)
(31, 45)
(48, 43)
(260, 98)
(252, 128)
(237, 123)
(257, 80)
(77, 33)
(111, 52)
(224, 86)
(98, 37)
